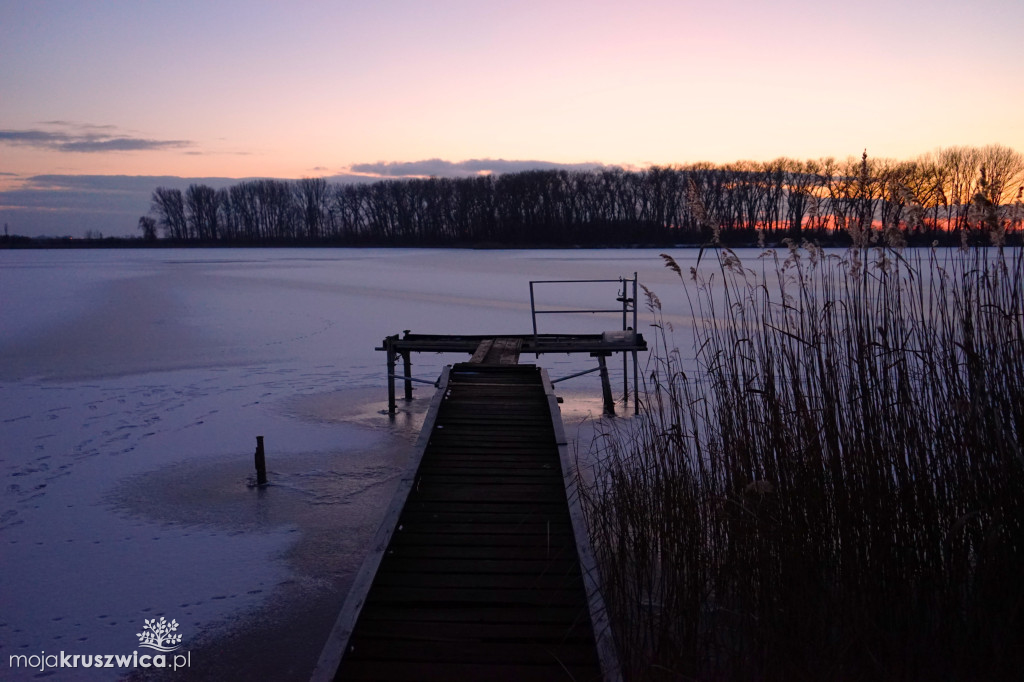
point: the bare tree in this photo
(201, 212)
(169, 207)
(148, 227)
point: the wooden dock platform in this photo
(482, 569)
(506, 348)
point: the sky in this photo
(100, 102)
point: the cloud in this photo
(85, 138)
(73, 204)
(120, 144)
(117, 193)
(112, 204)
(81, 126)
(442, 168)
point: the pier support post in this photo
(389, 346)
(407, 372)
(261, 462)
(606, 385)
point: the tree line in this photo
(957, 193)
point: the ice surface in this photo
(133, 384)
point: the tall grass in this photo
(837, 493)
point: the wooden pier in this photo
(482, 569)
(506, 349)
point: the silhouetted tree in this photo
(148, 227)
(311, 195)
(169, 207)
(935, 195)
(201, 212)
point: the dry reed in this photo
(837, 493)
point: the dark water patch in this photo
(332, 500)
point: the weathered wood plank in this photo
(505, 351)
(544, 509)
(443, 596)
(477, 553)
(392, 671)
(440, 630)
(399, 561)
(474, 580)
(552, 615)
(481, 351)
(470, 651)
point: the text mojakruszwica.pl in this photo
(44, 661)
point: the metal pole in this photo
(625, 358)
(577, 374)
(422, 381)
(533, 312)
(634, 300)
(636, 377)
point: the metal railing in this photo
(627, 298)
(628, 302)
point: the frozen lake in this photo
(133, 385)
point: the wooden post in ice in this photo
(261, 462)
(407, 372)
(606, 385)
(391, 373)
(407, 369)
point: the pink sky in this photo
(241, 89)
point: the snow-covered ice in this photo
(133, 384)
